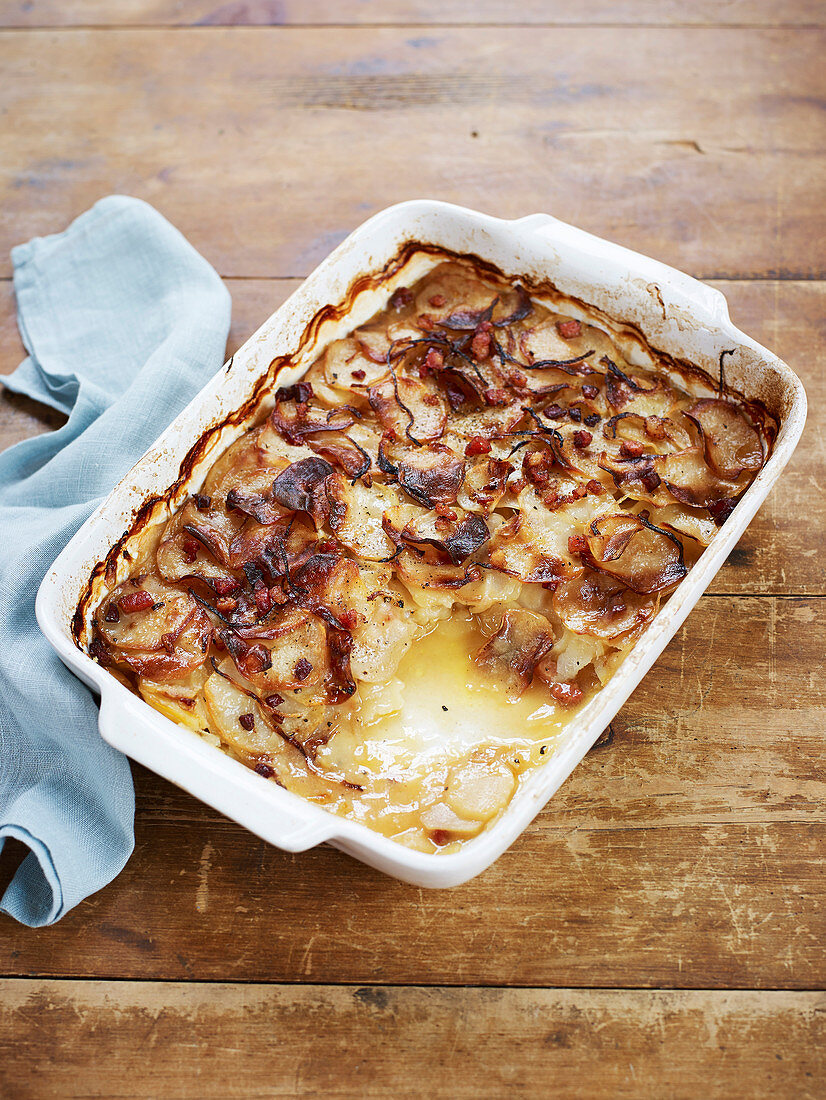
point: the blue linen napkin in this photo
(124, 322)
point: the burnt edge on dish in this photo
(145, 513)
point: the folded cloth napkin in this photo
(124, 322)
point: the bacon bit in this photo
(264, 769)
(551, 586)
(535, 460)
(168, 642)
(425, 322)
(654, 427)
(328, 546)
(430, 399)
(401, 298)
(567, 695)
(225, 604)
(224, 586)
(578, 492)
(577, 544)
(434, 361)
(100, 653)
(443, 512)
(262, 598)
(189, 550)
(478, 445)
(112, 614)
(278, 596)
(247, 721)
(554, 412)
(302, 392)
(575, 414)
(440, 837)
(595, 487)
(720, 510)
(349, 618)
(631, 449)
(569, 329)
(257, 659)
(302, 669)
(201, 502)
(591, 419)
(437, 300)
(135, 601)
(651, 480)
(359, 375)
(480, 344)
(590, 392)
(274, 700)
(494, 396)
(582, 439)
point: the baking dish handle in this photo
(294, 827)
(694, 294)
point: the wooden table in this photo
(659, 931)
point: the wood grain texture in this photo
(224, 1041)
(265, 146)
(688, 852)
(58, 13)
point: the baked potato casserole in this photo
(391, 594)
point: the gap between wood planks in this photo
(292, 983)
(431, 26)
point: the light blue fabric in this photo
(124, 322)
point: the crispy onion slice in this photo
(730, 444)
(511, 655)
(643, 557)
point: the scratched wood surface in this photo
(334, 1042)
(659, 930)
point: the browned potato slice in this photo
(640, 555)
(594, 603)
(517, 647)
(731, 444)
(356, 515)
(414, 408)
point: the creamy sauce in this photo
(451, 722)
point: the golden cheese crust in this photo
(466, 455)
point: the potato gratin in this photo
(391, 595)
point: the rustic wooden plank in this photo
(57, 13)
(267, 145)
(689, 852)
(80, 1039)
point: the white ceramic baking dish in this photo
(675, 313)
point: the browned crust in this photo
(145, 514)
